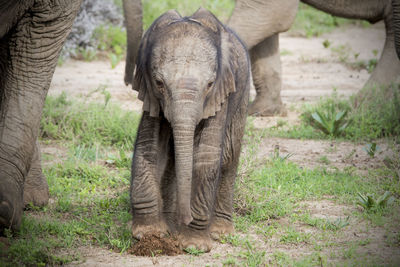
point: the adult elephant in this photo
(259, 23)
(32, 33)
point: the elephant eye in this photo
(209, 85)
(160, 85)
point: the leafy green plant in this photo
(339, 223)
(369, 203)
(371, 149)
(110, 38)
(331, 122)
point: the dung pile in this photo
(153, 245)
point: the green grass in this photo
(375, 116)
(311, 22)
(90, 207)
(153, 9)
(88, 123)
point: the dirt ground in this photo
(309, 71)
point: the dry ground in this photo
(309, 71)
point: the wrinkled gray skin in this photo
(32, 34)
(193, 77)
(259, 23)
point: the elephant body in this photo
(193, 77)
(259, 23)
(32, 34)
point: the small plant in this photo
(324, 160)
(369, 203)
(87, 54)
(278, 156)
(339, 223)
(331, 123)
(326, 43)
(124, 160)
(194, 251)
(371, 149)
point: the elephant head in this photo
(184, 74)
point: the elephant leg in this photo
(168, 191)
(206, 174)
(147, 167)
(222, 223)
(266, 70)
(36, 190)
(387, 70)
(28, 57)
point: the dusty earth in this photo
(309, 71)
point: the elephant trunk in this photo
(183, 139)
(396, 25)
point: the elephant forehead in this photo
(192, 50)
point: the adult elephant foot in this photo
(266, 71)
(262, 106)
(221, 227)
(195, 239)
(387, 70)
(148, 225)
(11, 200)
(36, 190)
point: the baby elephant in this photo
(192, 75)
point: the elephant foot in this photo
(36, 194)
(221, 227)
(262, 107)
(195, 239)
(149, 226)
(11, 202)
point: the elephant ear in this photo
(143, 81)
(225, 79)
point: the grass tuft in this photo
(88, 123)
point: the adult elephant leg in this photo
(147, 169)
(266, 70)
(387, 69)
(36, 190)
(29, 57)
